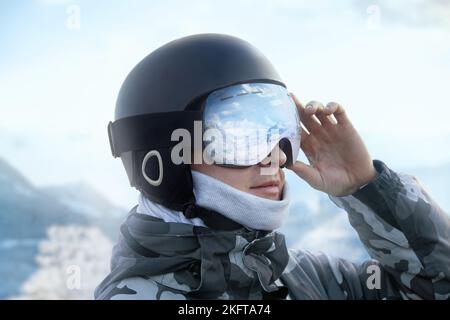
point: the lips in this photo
(270, 188)
(271, 183)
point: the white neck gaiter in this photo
(248, 210)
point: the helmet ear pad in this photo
(175, 187)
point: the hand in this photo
(339, 163)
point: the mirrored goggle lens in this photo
(243, 123)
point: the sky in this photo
(62, 64)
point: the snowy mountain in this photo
(23, 205)
(26, 213)
(83, 199)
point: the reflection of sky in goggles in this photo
(243, 123)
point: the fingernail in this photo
(309, 107)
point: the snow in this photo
(71, 263)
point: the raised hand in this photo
(339, 162)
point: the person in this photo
(207, 229)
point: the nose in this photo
(276, 155)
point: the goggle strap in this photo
(149, 131)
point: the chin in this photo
(266, 195)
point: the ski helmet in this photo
(163, 93)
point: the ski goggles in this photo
(243, 123)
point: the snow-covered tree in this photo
(71, 263)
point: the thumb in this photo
(306, 172)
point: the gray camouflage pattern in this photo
(404, 231)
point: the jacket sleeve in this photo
(406, 234)
(138, 288)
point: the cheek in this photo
(240, 178)
(282, 176)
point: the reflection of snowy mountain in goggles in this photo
(244, 122)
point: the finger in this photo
(325, 115)
(308, 143)
(304, 135)
(312, 107)
(309, 119)
(300, 107)
(304, 171)
(338, 112)
(307, 122)
(296, 101)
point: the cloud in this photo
(61, 97)
(408, 13)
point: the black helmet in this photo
(162, 93)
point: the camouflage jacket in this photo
(406, 234)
